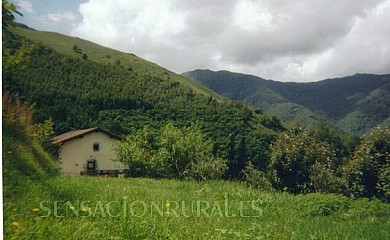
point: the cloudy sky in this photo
(300, 40)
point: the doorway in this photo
(91, 165)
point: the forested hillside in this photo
(283, 182)
(355, 104)
(76, 91)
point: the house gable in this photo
(77, 149)
(80, 133)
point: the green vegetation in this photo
(76, 48)
(301, 163)
(101, 216)
(368, 172)
(24, 161)
(7, 14)
(185, 134)
(39, 203)
(354, 104)
(77, 93)
(179, 153)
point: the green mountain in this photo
(80, 48)
(354, 104)
(79, 84)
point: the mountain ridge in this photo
(331, 100)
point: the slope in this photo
(80, 48)
(79, 92)
(24, 161)
(354, 104)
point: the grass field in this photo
(73, 207)
(40, 204)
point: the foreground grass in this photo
(72, 207)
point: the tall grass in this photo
(40, 204)
(283, 216)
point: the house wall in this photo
(74, 154)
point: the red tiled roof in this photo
(78, 133)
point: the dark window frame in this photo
(96, 147)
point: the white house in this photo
(87, 151)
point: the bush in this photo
(323, 178)
(368, 172)
(209, 169)
(300, 163)
(255, 178)
(171, 152)
(315, 204)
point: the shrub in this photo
(171, 152)
(256, 178)
(315, 204)
(368, 172)
(300, 163)
(209, 169)
(44, 133)
(323, 178)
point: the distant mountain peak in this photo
(353, 103)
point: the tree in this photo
(16, 56)
(137, 151)
(180, 153)
(8, 17)
(44, 133)
(300, 163)
(368, 172)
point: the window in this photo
(96, 147)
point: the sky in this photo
(283, 40)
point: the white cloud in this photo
(66, 16)
(298, 40)
(25, 6)
(365, 49)
(141, 24)
(251, 16)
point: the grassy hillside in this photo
(76, 92)
(24, 162)
(79, 85)
(79, 48)
(41, 204)
(355, 104)
(71, 207)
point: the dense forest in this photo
(353, 104)
(168, 120)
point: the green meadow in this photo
(73, 207)
(41, 203)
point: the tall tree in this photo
(8, 17)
